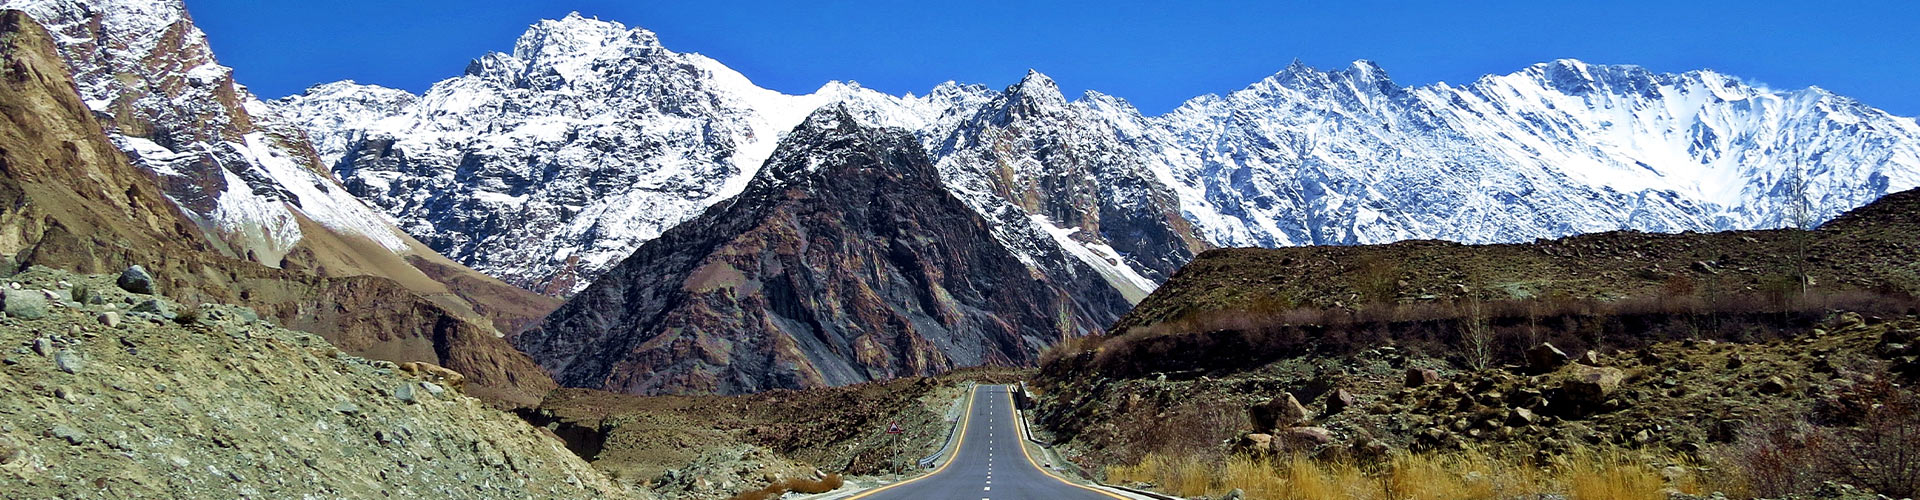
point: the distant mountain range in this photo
(550, 166)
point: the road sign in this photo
(893, 428)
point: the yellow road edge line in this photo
(1019, 427)
(966, 417)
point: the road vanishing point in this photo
(990, 462)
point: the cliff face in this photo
(68, 199)
(844, 260)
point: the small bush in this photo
(188, 316)
(1873, 442)
(82, 292)
(796, 485)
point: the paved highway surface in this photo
(990, 465)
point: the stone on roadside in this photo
(109, 319)
(136, 280)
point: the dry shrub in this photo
(1870, 438)
(1069, 348)
(1184, 475)
(796, 485)
(1183, 430)
(1595, 475)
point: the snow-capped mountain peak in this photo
(593, 128)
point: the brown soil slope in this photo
(68, 199)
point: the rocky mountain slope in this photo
(1698, 362)
(843, 260)
(1303, 157)
(101, 397)
(74, 202)
(245, 177)
(1871, 248)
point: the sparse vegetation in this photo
(1233, 340)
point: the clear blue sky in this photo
(1153, 53)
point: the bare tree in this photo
(1800, 216)
(1477, 330)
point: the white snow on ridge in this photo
(602, 139)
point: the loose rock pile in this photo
(119, 394)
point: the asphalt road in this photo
(991, 465)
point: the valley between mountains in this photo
(595, 267)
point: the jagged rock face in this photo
(844, 260)
(68, 199)
(1056, 174)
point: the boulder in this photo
(1590, 358)
(1849, 319)
(1592, 385)
(1339, 400)
(24, 304)
(155, 307)
(1282, 411)
(1775, 385)
(1304, 437)
(1256, 443)
(136, 280)
(1521, 417)
(1545, 358)
(1417, 377)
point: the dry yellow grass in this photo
(1463, 475)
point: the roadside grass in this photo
(1459, 475)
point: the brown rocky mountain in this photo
(72, 201)
(844, 260)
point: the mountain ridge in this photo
(844, 260)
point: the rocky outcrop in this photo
(73, 202)
(843, 260)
